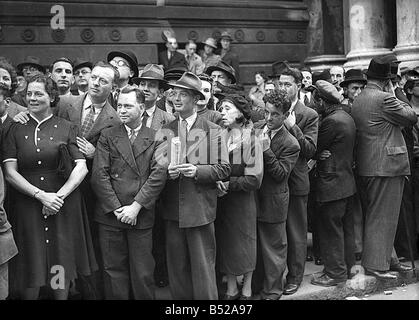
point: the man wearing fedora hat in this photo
(209, 58)
(30, 65)
(126, 63)
(151, 82)
(221, 74)
(82, 70)
(170, 76)
(335, 185)
(382, 163)
(229, 55)
(190, 197)
(170, 57)
(352, 86)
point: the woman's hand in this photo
(51, 200)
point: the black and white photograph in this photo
(208, 155)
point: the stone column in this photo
(325, 45)
(371, 31)
(407, 49)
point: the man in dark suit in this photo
(382, 163)
(280, 154)
(170, 58)
(127, 180)
(335, 185)
(302, 123)
(190, 196)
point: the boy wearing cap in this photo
(335, 185)
(190, 196)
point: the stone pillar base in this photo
(320, 63)
(408, 55)
(360, 59)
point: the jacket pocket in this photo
(391, 151)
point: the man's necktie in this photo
(183, 134)
(132, 136)
(116, 96)
(306, 101)
(145, 118)
(88, 122)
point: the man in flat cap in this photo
(228, 54)
(171, 58)
(335, 185)
(126, 63)
(382, 163)
(82, 70)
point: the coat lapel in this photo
(123, 145)
(103, 120)
(193, 145)
(143, 141)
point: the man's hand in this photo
(222, 189)
(173, 172)
(118, 213)
(129, 213)
(86, 147)
(290, 120)
(389, 88)
(22, 117)
(324, 155)
(187, 169)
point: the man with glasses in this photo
(170, 58)
(82, 71)
(127, 65)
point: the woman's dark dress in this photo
(236, 212)
(44, 241)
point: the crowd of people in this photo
(173, 174)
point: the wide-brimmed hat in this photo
(225, 67)
(379, 69)
(278, 67)
(127, 55)
(226, 35)
(31, 61)
(81, 63)
(211, 42)
(324, 75)
(189, 81)
(174, 73)
(390, 58)
(328, 92)
(353, 75)
(151, 72)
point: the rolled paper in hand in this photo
(175, 153)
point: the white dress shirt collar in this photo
(190, 120)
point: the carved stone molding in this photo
(58, 35)
(260, 36)
(239, 35)
(115, 35)
(28, 35)
(141, 35)
(193, 35)
(87, 35)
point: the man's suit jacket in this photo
(160, 119)
(177, 60)
(305, 131)
(123, 174)
(193, 201)
(335, 179)
(278, 163)
(380, 147)
(71, 109)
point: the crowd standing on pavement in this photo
(128, 178)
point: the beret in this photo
(328, 92)
(240, 103)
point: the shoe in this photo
(291, 288)
(309, 258)
(243, 297)
(400, 267)
(229, 297)
(358, 256)
(325, 281)
(318, 261)
(272, 298)
(384, 275)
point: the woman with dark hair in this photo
(43, 163)
(8, 76)
(206, 107)
(236, 216)
(257, 92)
